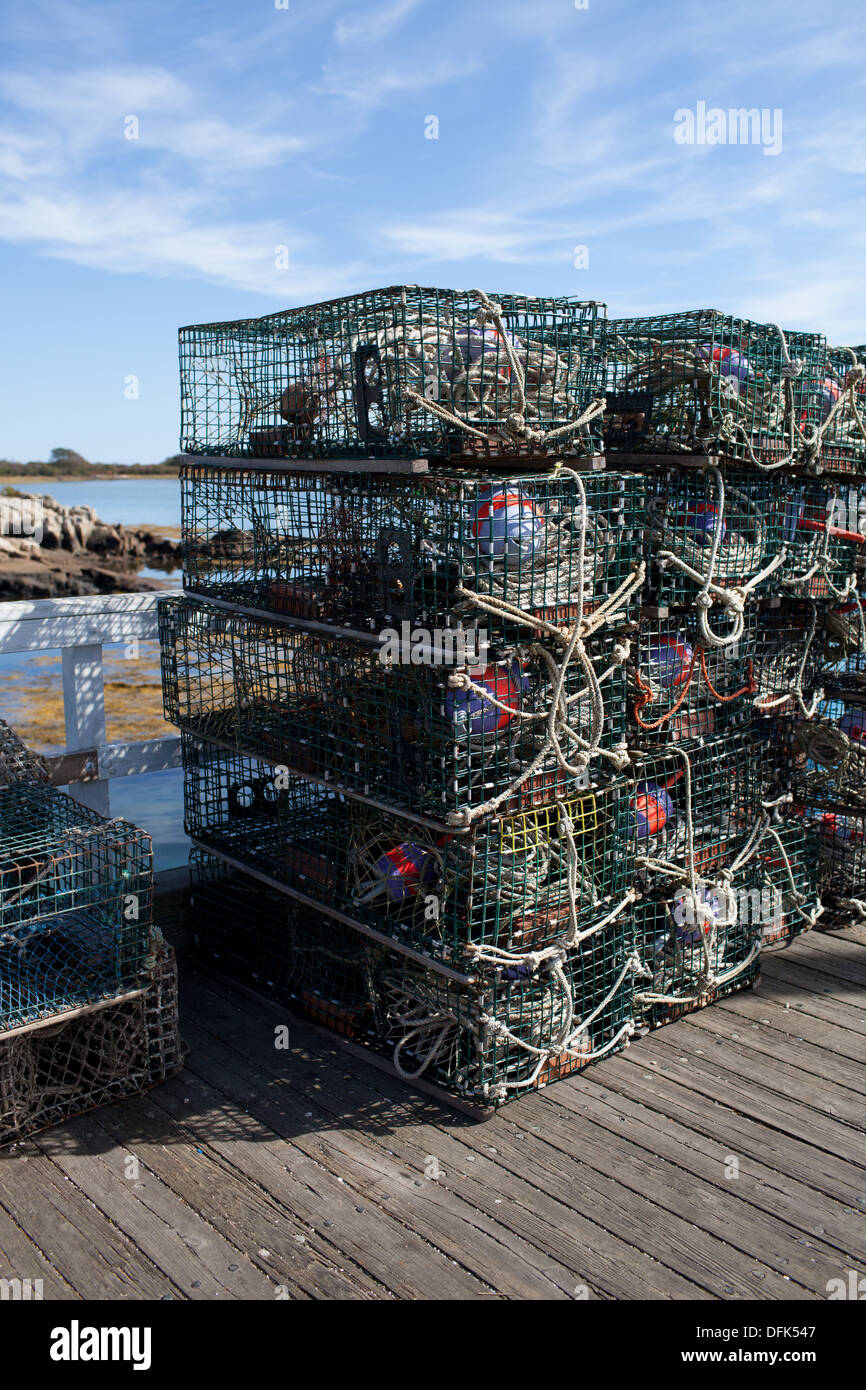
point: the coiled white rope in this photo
(515, 428)
(733, 598)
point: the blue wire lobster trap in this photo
(75, 904)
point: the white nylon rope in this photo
(515, 426)
(573, 642)
(813, 441)
(734, 598)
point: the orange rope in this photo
(646, 695)
(748, 689)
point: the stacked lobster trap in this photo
(400, 670)
(88, 1008)
(486, 736)
(752, 443)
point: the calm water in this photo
(129, 501)
(153, 800)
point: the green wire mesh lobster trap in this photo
(697, 945)
(437, 742)
(718, 542)
(840, 836)
(437, 551)
(682, 690)
(703, 382)
(838, 441)
(400, 371)
(827, 751)
(50, 1073)
(695, 808)
(509, 887)
(484, 1041)
(75, 904)
(787, 656)
(786, 860)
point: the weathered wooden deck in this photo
(307, 1172)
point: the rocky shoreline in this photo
(48, 550)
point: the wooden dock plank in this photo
(195, 1167)
(95, 1258)
(173, 1236)
(616, 1268)
(371, 1173)
(21, 1258)
(743, 1134)
(304, 1172)
(757, 1184)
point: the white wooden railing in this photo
(80, 627)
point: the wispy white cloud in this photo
(376, 25)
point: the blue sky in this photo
(304, 127)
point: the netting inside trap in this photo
(788, 655)
(680, 689)
(17, 762)
(369, 552)
(75, 904)
(839, 441)
(696, 805)
(51, 1073)
(399, 371)
(504, 885)
(760, 536)
(703, 381)
(484, 1042)
(329, 708)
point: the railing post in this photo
(84, 713)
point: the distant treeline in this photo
(66, 463)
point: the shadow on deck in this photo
(720, 1157)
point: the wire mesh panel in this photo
(75, 904)
(399, 371)
(838, 441)
(760, 536)
(786, 861)
(840, 835)
(828, 753)
(441, 742)
(681, 689)
(49, 1074)
(703, 381)
(696, 806)
(696, 946)
(515, 884)
(788, 656)
(510, 1031)
(366, 551)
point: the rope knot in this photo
(855, 375)
(793, 369)
(621, 652)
